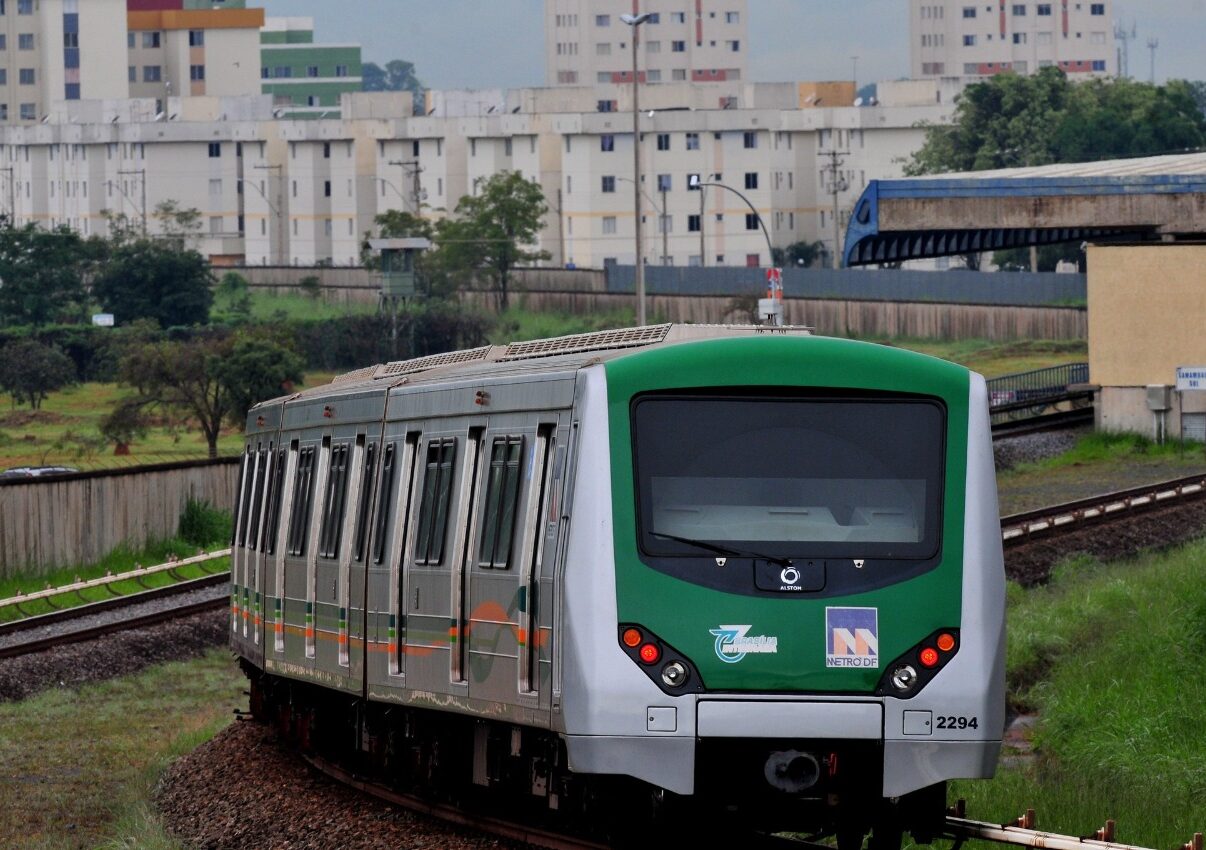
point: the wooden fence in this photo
(832, 317)
(77, 519)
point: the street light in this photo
(635, 22)
(696, 183)
(661, 218)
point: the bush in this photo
(204, 526)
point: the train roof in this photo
(541, 355)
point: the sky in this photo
(500, 43)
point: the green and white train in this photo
(745, 567)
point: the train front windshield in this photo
(809, 477)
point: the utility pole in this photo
(1124, 37)
(837, 185)
(703, 249)
(281, 229)
(412, 169)
(636, 174)
(142, 174)
(665, 226)
(1152, 45)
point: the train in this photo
(676, 569)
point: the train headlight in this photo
(904, 677)
(674, 674)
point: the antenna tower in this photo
(1152, 44)
(1124, 36)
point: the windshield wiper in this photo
(722, 550)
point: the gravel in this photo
(1030, 563)
(1032, 448)
(113, 655)
(244, 790)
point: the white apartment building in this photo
(52, 50)
(302, 192)
(699, 41)
(966, 38)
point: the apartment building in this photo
(192, 48)
(586, 43)
(964, 38)
(306, 80)
(274, 191)
(53, 50)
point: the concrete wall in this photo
(79, 519)
(1147, 316)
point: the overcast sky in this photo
(500, 43)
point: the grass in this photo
(993, 359)
(77, 769)
(1098, 463)
(266, 307)
(1110, 656)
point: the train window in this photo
(274, 505)
(502, 496)
(366, 500)
(303, 496)
(816, 477)
(433, 510)
(387, 488)
(240, 497)
(257, 499)
(334, 503)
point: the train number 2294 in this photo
(952, 722)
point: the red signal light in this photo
(650, 653)
(946, 641)
(929, 657)
(632, 637)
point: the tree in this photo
(42, 274)
(210, 378)
(397, 75)
(491, 228)
(30, 371)
(1013, 120)
(155, 279)
(799, 254)
(123, 425)
(234, 290)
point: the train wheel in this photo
(886, 836)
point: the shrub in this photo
(203, 525)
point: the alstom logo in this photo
(852, 637)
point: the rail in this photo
(1022, 833)
(1020, 528)
(107, 581)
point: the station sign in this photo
(102, 320)
(1191, 378)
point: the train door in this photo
(446, 463)
(501, 558)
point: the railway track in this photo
(1059, 420)
(120, 613)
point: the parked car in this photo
(35, 471)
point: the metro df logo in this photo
(852, 637)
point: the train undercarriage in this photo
(815, 788)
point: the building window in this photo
(653, 47)
(751, 180)
(326, 188)
(196, 73)
(609, 224)
(602, 20)
(693, 141)
(751, 221)
(609, 184)
(751, 141)
(653, 76)
(341, 70)
(607, 143)
(969, 11)
(678, 75)
(130, 37)
(151, 73)
(969, 41)
(1019, 38)
(603, 48)
(215, 187)
(1043, 10)
(133, 74)
(678, 47)
(663, 141)
(150, 40)
(732, 17)
(1097, 9)
(733, 46)
(606, 106)
(693, 223)
(25, 41)
(24, 7)
(664, 183)
(215, 225)
(282, 72)
(312, 71)
(1019, 10)
(1099, 65)
(215, 150)
(196, 38)
(665, 224)
(26, 76)
(326, 150)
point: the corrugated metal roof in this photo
(1153, 166)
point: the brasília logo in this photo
(733, 643)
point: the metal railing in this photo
(1036, 386)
